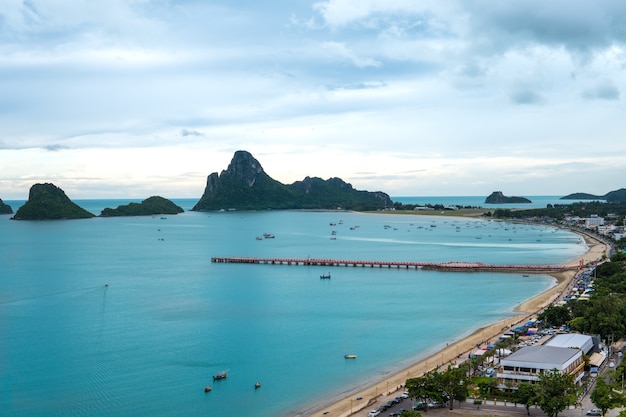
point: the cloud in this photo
(55, 147)
(604, 90)
(526, 96)
(186, 132)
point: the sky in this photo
(134, 98)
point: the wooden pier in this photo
(442, 266)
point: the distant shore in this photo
(344, 404)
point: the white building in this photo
(594, 220)
(572, 340)
(526, 364)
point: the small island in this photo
(498, 198)
(49, 202)
(5, 208)
(150, 206)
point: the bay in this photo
(128, 316)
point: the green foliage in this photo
(449, 385)
(555, 315)
(150, 206)
(410, 413)
(5, 208)
(555, 392)
(48, 202)
(525, 394)
(245, 186)
(604, 397)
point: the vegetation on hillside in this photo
(49, 202)
(150, 206)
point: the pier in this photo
(442, 266)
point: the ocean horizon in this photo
(126, 316)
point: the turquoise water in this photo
(168, 319)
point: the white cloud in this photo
(401, 96)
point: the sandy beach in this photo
(346, 404)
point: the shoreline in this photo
(343, 404)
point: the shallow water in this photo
(168, 319)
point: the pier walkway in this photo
(443, 266)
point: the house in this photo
(528, 363)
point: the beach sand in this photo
(374, 395)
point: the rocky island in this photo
(498, 198)
(5, 208)
(617, 196)
(244, 185)
(150, 206)
(49, 202)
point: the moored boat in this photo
(350, 356)
(325, 276)
(219, 375)
(208, 388)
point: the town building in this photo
(528, 363)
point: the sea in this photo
(129, 316)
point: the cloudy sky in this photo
(132, 98)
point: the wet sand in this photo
(345, 404)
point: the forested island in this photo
(244, 185)
(49, 202)
(5, 208)
(150, 206)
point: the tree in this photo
(604, 397)
(555, 392)
(556, 315)
(410, 413)
(453, 385)
(525, 394)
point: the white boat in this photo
(350, 356)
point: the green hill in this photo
(617, 196)
(245, 186)
(5, 208)
(148, 207)
(49, 202)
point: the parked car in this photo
(594, 412)
(373, 413)
(405, 394)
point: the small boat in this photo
(219, 375)
(349, 356)
(325, 276)
(208, 388)
(259, 238)
(257, 385)
(268, 236)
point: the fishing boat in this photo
(219, 375)
(325, 276)
(350, 356)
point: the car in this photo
(594, 412)
(405, 394)
(394, 414)
(373, 413)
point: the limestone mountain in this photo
(5, 208)
(49, 202)
(148, 207)
(244, 185)
(498, 198)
